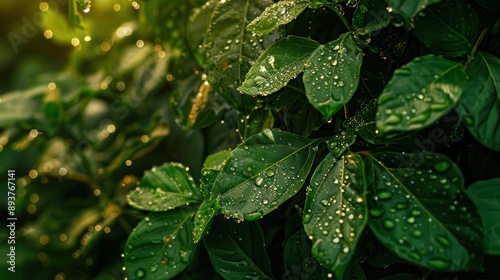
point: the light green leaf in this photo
(74, 14)
(332, 74)
(237, 250)
(480, 105)
(486, 195)
(161, 246)
(277, 65)
(409, 9)
(370, 15)
(231, 48)
(277, 14)
(335, 212)
(449, 28)
(164, 188)
(419, 210)
(262, 173)
(340, 142)
(202, 220)
(13, 106)
(420, 93)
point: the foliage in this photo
(336, 138)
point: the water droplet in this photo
(402, 205)
(384, 194)
(184, 257)
(153, 268)
(270, 173)
(442, 166)
(438, 263)
(416, 233)
(443, 240)
(388, 224)
(258, 181)
(324, 202)
(377, 212)
(140, 273)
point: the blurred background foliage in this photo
(89, 100)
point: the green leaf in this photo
(262, 173)
(486, 195)
(230, 48)
(370, 15)
(335, 211)
(480, 105)
(301, 118)
(298, 261)
(448, 28)
(419, 210)
(340, 142)
(164, 188)
(277, 14)
(332, 74)
(364, 125)
(216, 161)
(409, 9)
(74, 14)
(237, 250)
(202, 220)
(277, 65)
(420, 93)
(13, 106)
(161, 246)
(258, 120)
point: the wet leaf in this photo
(161, 246)
(212, 165)
(262, 173)
(479, 107)
(231, 48)
(449, 28)
(202, 220)
(332, 74)
(277, 14)
(408, 9)
(420, 93)
(419, 210)
(258, 120)
(340, 142)
(237, 250)
(164, 188)
(486, 195)
(277, 65)
(370, 15)
(335, 212)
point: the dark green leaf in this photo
(262, 173)
(302, 119)
(299, 263)
(202, 220)
(419, 210)
(165, 188)
(340, 142)
(237, 250)
(486, 195)
(258, 120)
(480, 104)
(161, 245)
(448, 28)
(230, 48)
(277, 65)
(332, 74)
(420, 93)
(277, 14)
(409, 9)
(335, 211)
(370, 15)
(212, 165)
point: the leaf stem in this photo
(476, 45)
(337, 11)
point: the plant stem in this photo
(344, 20)
(474, 50)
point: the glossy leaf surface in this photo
(277, 14)
(370, 16)
(164, 188)
(340, 142)
(409, 9)
(480, 104)
(335, 211)
(202, 220)
(277, 65)
(237, 250)
(486, 195)
(332, 74)
(419, 210)
(161, 246)
(420, 93)
(262, 173)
